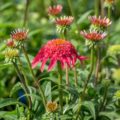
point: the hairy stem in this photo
(72, 12)
(109, 12)
(75, 76)
(102, 8)
(67, 76)
(23, 82)
(60, 86)
(97, 66)
(96, 7)
(26, 13)
(91, 70)
(30, 68)
(87, 81)
(104, 99)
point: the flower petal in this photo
(43, 64)
(35, 61)
(52, 64)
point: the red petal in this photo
(43, 64)
(52, 64)
(35, 61)
(81, 58)
(68, 61)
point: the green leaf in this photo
(5, 6)
(8, 115)
(90, 107)
(3, 65)
(48, 91)
(15, 88)
(84, 17)
(9, 101)
(109, 115)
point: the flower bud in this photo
(52, 106)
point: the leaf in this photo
(15, 88)
(87, 118)
(5, 65)
(84, 17)
(34, 96)
(8, 115)
(9, 101)
(48, 91)
(5, 6)
(90, 107)
(109, 115)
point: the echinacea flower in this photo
(64, 21)
(57, 50)
(93, 35)
(52, 106)
(55, 10)
(19, 34)
(11, 53)
(98, 21)
(10, 43)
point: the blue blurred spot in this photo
(22, 99)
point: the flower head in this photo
(93, 35)
(98, 21)
(19, 34)
(64, 21)
(11, 53)
(52, 106)
(57, 50)
(55, 10)
(10, 43)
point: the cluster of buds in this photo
(17, 38)
(63, 22)
(97, 30)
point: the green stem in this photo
(109, 12)
(97, 65)
(87, 81)
(60, 87)
(24, 84)
(30, 68)
(67, 76)
(72, 12)
(26, 13)
(75, 76)
(91, 70)
(104, 99)
(96, 7)
(102, 8)
(21, 68)
(70, 7)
